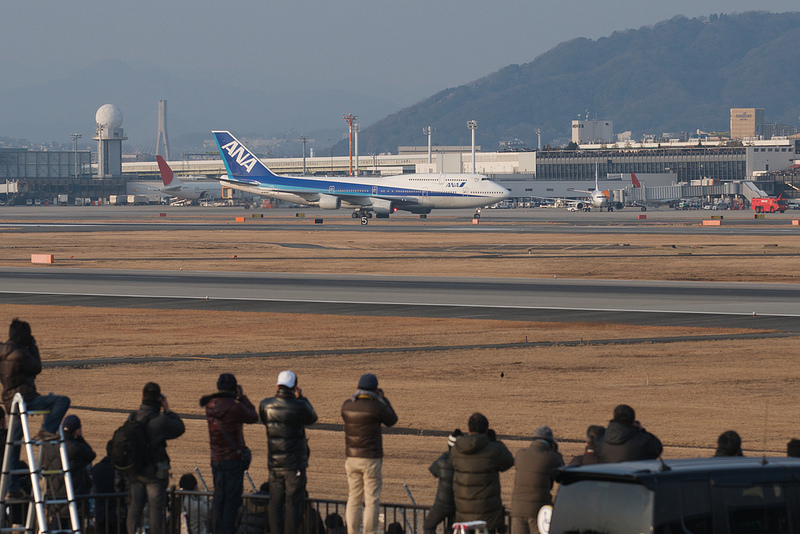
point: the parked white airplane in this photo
(599, 199)
(416, 193)
(195, 190)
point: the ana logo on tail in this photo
(240, 155)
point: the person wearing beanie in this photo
(729, 444)
(80, 455)
(533, 481)
(626, 440)
(364, 413)
(227, 411)
(150, 485)
(478, 459)
(594, 433)
(444, 506)
(286, 416)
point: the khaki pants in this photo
(364, 483)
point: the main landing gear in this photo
(361, 213)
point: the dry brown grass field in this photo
(685, 391)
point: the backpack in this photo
(129, 448)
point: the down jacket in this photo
(286, 417)
(477, 463)
(222, 409)
(533, 480)
(442, 469)
(623, 443)
(19, 366)
(363, 415)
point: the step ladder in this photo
(465, 527)
(37, 507)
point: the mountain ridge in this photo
(678, 75)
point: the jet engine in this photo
(580, 206)
(381, 206)
(616, 205)
(329, 202)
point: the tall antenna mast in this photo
(162, 130)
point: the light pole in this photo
(355, 136)
(303, 138)
(75, 137)
(427, 131)
(473, 125)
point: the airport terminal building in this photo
(772, 164)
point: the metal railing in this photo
(107, 514)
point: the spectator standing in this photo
(533, 481)
(364, 413)
(594, 433)
(444, 507)
(478, 458)
(150, 485)
(20, 363)
(227, 411)
(286, 416)
(729, 444)
(626, 440)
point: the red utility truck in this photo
(769, 205)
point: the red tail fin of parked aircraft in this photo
(166, 171)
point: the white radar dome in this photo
(109, 116)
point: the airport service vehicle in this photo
(700, 495)
(769, 205)
(415, 193)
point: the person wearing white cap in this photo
(286, 415)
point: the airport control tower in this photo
(109, 141)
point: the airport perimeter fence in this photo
(106, 514)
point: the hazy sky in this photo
(414, 48)
(418, 46)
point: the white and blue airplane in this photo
(416, 193)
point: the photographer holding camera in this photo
(227, 411)
(150, 485)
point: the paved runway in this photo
(18, 219)
(632, 302)
(641, 302)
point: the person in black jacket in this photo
(80, 456)
(444, 507)
(150, 486)
(625, 439)
(729, 443)
(286, 415)
(364, 413)
(478, 459)
(109, 511)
